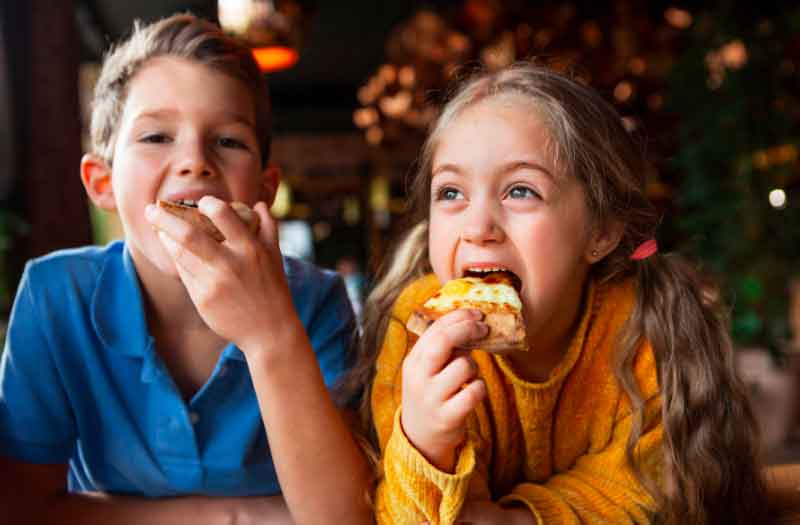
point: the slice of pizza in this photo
(188, 211)
(495, 294)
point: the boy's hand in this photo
(239, 286)
(439, 387)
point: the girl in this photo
(626, 407)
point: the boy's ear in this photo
(96, 178)
(604, 240)
(272, 177)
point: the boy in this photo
(136, 371)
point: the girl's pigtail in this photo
(712, 471)
(407, 262)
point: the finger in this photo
(437, 343)
(185, 261)
(456, 409)
(225, 219)
(188, 236)
(458, 372)
(269, 226)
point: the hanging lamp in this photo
(273, 29)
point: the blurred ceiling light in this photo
(637, 66)
(678, 18)
(273, 29)
(623, 91)
(365, 117)
(388, 73)
(407, 76)
(777, 198)
(734, 54)
(374, 135)
(395, 106)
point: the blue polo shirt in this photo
(80, 382)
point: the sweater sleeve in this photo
(411, 490)
(601, 487)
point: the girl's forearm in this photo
(323, 474)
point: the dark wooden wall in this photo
(40, 59)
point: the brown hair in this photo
(185, 36)
(712, 470)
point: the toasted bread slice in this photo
(191, 214)
(494, 295)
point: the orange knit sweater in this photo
(557, 447)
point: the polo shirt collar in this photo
(118, 312)
(117, 309)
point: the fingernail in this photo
(149, 211)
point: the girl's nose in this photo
(481, 227)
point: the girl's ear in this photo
(272, 177)
(96, 178)
(604, 240)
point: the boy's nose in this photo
(194, 161)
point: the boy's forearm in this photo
(324, 475)
(78, 509)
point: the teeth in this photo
(487, 270)
(188, 202)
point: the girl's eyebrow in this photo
(507, 168)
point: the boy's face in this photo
(186, 131)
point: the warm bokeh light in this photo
(734, 54)
(679, 18)
(777, 198)
(275, 58)
(623, 91)
(235, 15)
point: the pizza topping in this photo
(496, 288)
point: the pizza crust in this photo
(195, 217)
(506, 330)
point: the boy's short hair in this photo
(185, 36)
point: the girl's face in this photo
(499, 200)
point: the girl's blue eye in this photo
(522, 192)
(449, 194)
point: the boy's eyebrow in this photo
(167, 113)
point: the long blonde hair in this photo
(712, 472)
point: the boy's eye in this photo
(155, 138)
(522, 192)
(448, 194)
(229, 142)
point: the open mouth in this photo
(490, 275)
(186, 202)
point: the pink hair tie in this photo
(645, 250)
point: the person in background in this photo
(170, 378)
(355, 282)
(625, 407)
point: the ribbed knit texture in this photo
(556, 447)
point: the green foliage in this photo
(736, 133)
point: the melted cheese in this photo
(474, 290)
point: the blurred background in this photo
(712, 90)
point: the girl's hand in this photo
(238, 287)
(439, 387)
